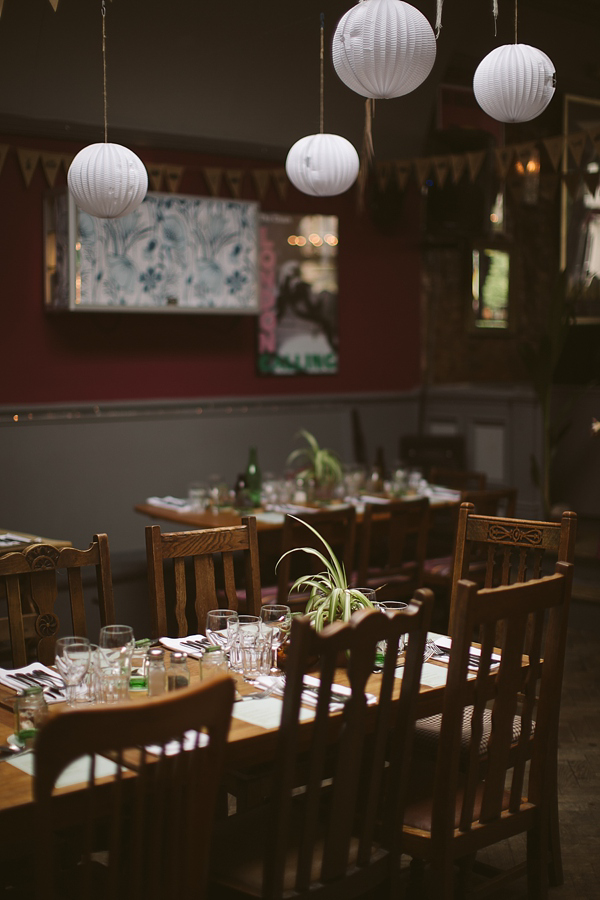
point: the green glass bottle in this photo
(253, 478)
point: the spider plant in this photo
(331, 597)
(321, 464)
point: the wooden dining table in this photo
(248, 745)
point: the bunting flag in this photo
(591, 179)
(281, 182)
(576, 144)
(422, 167)
(173, 175)
(3, 152)
(525, 152)
(67, 159)
(594, 134)
(155, 174)
(50, 164)
(28, 160)
(53, 4)
(402, 170)
(382, 174)
(554, 148)
(234, 179)
(261, 179)
(474, 163)
(458, 164)
(441, 169)
(504, 158)
(572, 181)
(1, 5)
(213, 180)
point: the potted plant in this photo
(331, 597)
(321, 466)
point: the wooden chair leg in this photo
(537, 860)
(555, 867)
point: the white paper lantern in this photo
(322, 165)
(514, 83)
(107, 180)
(383, 48)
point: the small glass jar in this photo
(213, 662)
(31, 711)
(156, 674)
(178, 673)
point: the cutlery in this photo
(197, 645)
(8, 752)
(31, 681)
(54, 680)
(334, 695)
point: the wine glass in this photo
(116, 651)
(217, 626)
(72, 660)
(235, 628)
(278, 618)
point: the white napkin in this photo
(9, 540)
(170, 503)
(15, 684)
(270, 518)
(445, 643)
(180, 644)
(189, 742)
(310, 697)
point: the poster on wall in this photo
(298, 277)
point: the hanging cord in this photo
(321, 76)
(495, 14)
(516, 20)
(438, 17)
(103, 8)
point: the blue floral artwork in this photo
(174, 252)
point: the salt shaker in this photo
(178, 673)
(155, 672)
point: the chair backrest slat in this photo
(211, 555)
(30, 577)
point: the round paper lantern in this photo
(383, 48)
(107, 180)
(322, 165)
(514, 83)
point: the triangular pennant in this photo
(572, 181)
(1, 5)
(67, 159)
(155, 174)
(554, 148)
(281, 182)
(474, 163)
(261, 181)
(213, 180)
(576, 144)
(422, 166)
(548, 184)
(592, 179)
(458, 164)
(234, 180)
(54, 4)
(382, 175)
(173, 176)
(28, 160)
(402, 170)
(50, 165)
(594, 134)
(504, 158)
(3, 152)
(525, 152)
(441, 169)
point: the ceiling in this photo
(243, 78)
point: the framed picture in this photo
(298, 320)
(490, 288)
(175, 253)
(580, 206)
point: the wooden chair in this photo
(337, 835)
(439, 569)
(201, 547)
(147, 833)
(392, 547)
(30, 581)
(458, 479)
(336, 526)
(473, 806)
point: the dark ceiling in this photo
(243, 77)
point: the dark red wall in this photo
(78, 357)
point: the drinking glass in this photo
(217, 630)
(72, 660)
(389, 607)
(116, 645)
(235, 628)
(278, 618)
(255, 651)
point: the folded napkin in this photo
(36, 674)
(339, 694)
(170, 503)
(11, 540)
(186, 644)
(445, 643)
